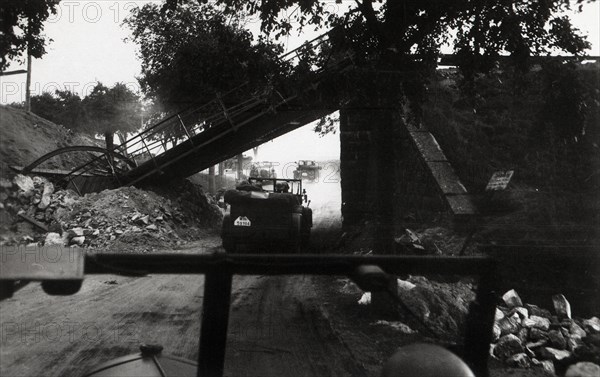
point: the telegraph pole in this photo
(28, 83)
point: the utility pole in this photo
(240, 162)
(211, 180)
(28, 83)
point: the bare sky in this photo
(88, 46)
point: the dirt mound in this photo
(127, 219)
(24, 137)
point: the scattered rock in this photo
(592, 325)
(557, 340)
(519, 360)
(520, 311)
(537, 344)
(583, 369)
(404, 285)
(396, 325)
(576, 331)
(152, 227)
(537, 334)
(548, 366)
(553, 354)
(574, 344)
(46, 195)
(562, 308)
(5, 183)
(53, 239)
(499, 315)
(508, 325)
(512, 299)
(537, 322)
(365, 299)
(496, 332)
(507, 346)
(79, 240)
(593, 339)
(537, 311)
(75, 232)
(523, 334)
(551, 341)
(25, 184)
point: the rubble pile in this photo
(436, 240)
(527, 336)
(106, 220)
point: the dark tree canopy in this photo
(479, 30)
(21, 26)
(192, 52)
(104, 111)
(110, 110)
(403, 38)
(63, 107)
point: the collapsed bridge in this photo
(228, 125)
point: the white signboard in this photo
(242, 221)
(499, 180)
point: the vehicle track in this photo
(275, 328)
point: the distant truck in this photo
(307, 170)
(263, 170)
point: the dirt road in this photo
(109, 317)
(275, 327)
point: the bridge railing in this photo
(234, 108)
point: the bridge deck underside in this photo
(221, 142)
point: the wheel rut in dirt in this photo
(276, 329)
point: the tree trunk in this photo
(122, 140)
(108, 139)
(110, 145)
(28, 84)
(211, 180)
(240, 162)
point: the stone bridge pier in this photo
(391, 171)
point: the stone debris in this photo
(405, 285)
(583, 369)
(592, 325)
(519, 360)
(365, 299)
(411, 241)
(396, 325)
(561, 306)
(553, 354)
(548, 366)
(507, 346)
(512, 299)
(25, 185)
(34, 211)
(53, 239)
(527, 336)
(557, 339)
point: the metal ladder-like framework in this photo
(226, 112)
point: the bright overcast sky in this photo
(88, 47)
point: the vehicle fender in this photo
(425, 360)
